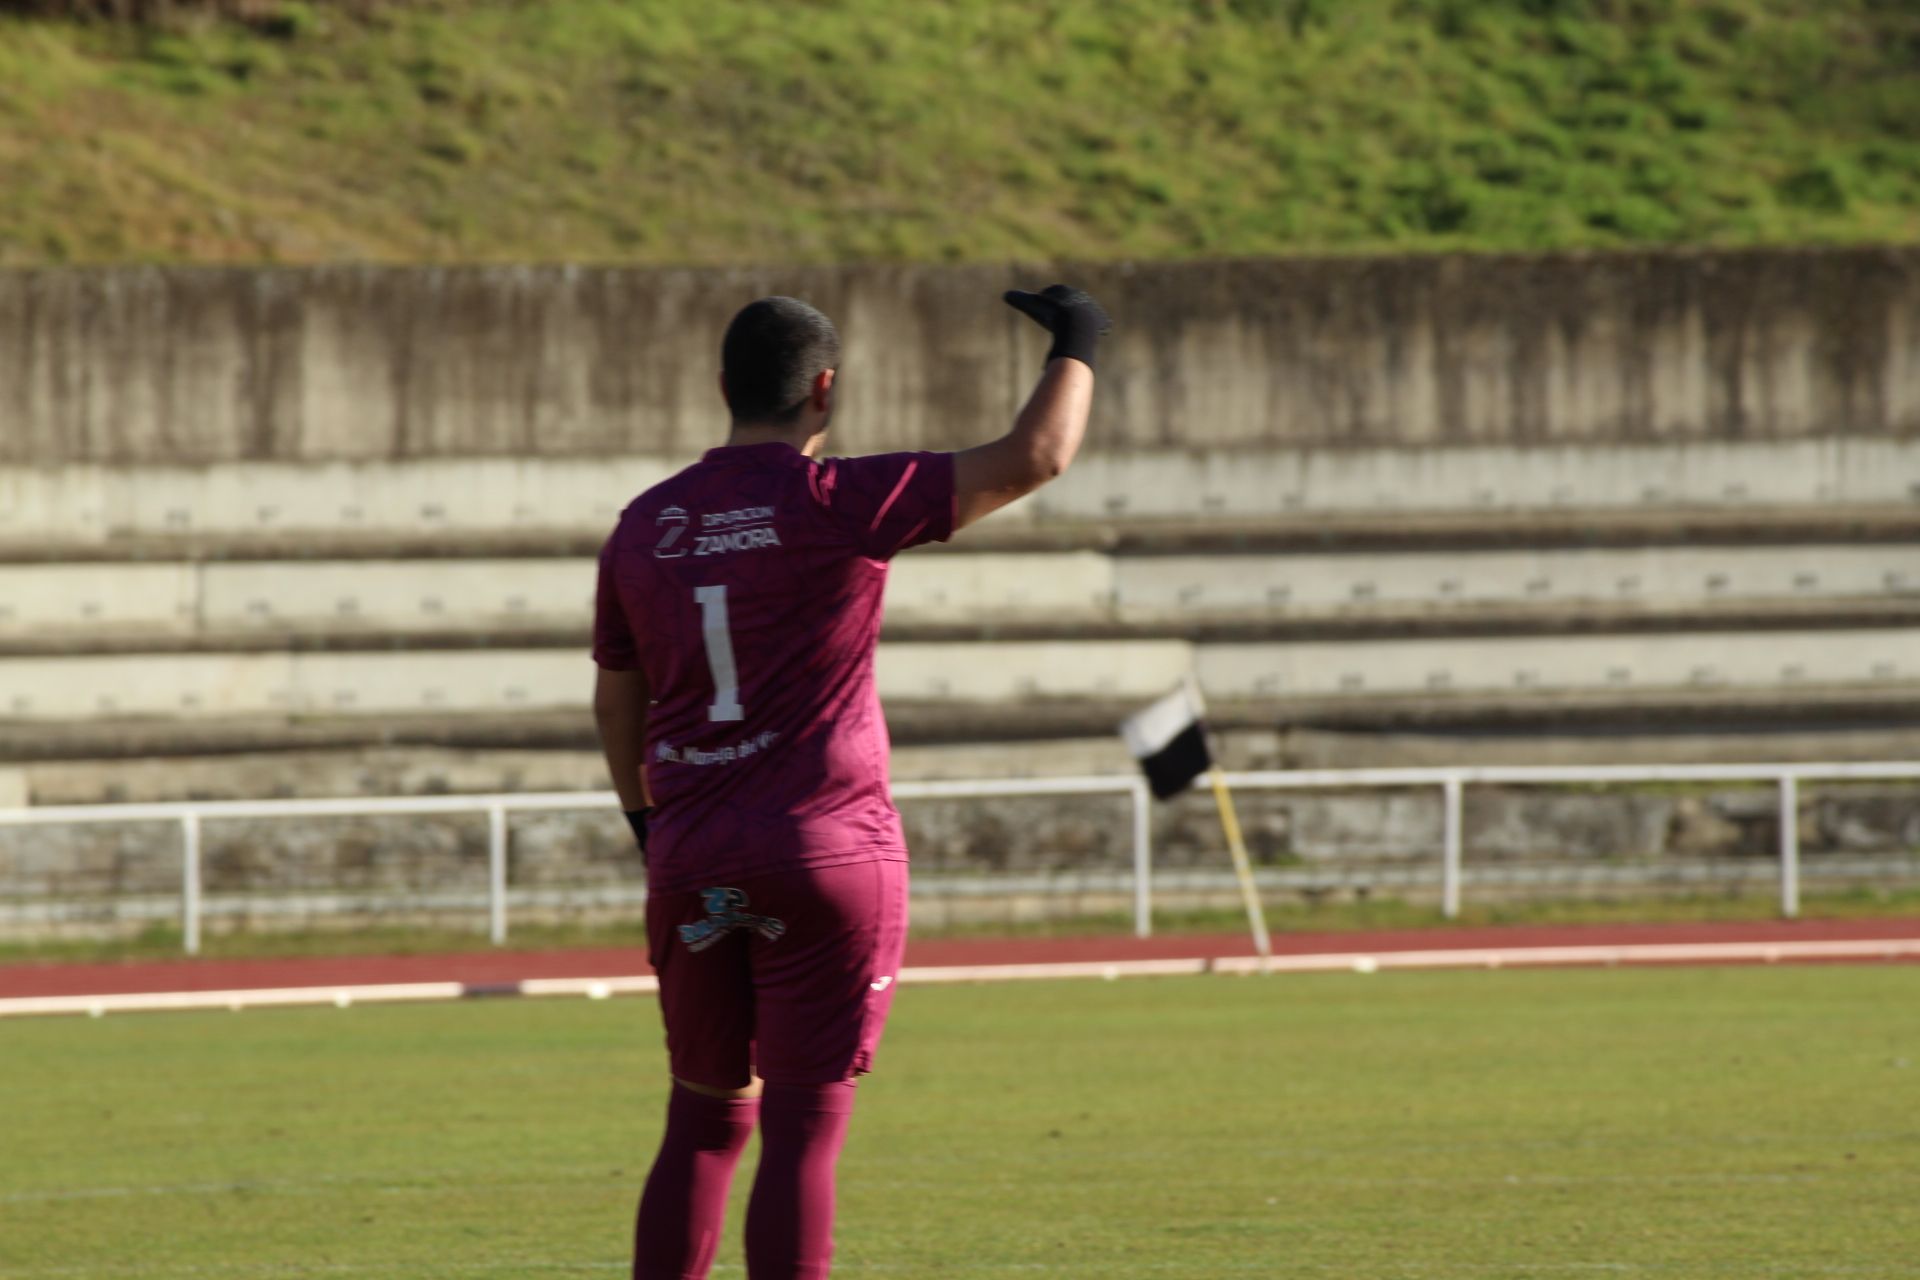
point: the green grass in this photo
(1676, 1124)
(164, 942)
(664, 131)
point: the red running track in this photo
(481, 968)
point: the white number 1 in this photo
(726, 678)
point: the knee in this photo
(752, 1089)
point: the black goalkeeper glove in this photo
(1075, 320)
(637, 819)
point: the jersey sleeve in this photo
(892, 501)
(613, 643)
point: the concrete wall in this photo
(192, 366)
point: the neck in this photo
(806, 440)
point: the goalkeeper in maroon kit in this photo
(738, 610)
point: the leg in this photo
(706, 999)
(678, 1225)
(790, 1218)
(825, 987)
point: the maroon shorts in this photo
(787, 976)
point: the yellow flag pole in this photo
(1230, 823)
(1242, 865)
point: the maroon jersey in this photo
(748, 587)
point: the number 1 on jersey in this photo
(726, 678)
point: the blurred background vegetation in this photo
(667, 131)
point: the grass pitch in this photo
(1699, 1123)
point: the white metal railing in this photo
(1452, 782)
(190, 814)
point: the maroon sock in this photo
(680, 1211)
(790, 1218)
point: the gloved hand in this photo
(637, 819)
(1075, 320)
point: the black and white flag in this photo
(1169, 740)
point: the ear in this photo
(720, 379)
(822, 394)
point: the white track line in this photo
(1586, 957)
(143, 1002)
(1074, 969)
(1877, 949)
(596, 988)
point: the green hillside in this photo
(665, 131)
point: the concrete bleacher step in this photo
(271, 605)
(371, 768)
(214, 605)
(1312, 532)
(534, 501)
(1780, 664)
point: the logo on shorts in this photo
(881, 984)
(725, 913)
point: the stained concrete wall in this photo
(190, 366)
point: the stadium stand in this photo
(367, 571)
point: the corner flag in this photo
(1170, 742)
(1169, 739)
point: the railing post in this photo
(190, 882)
(1450, 848)
(497, 873)
(1142, 859)
(1789, 846)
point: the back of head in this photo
(773, 351)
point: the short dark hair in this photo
(773, 351)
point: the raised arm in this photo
(1048, 430)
